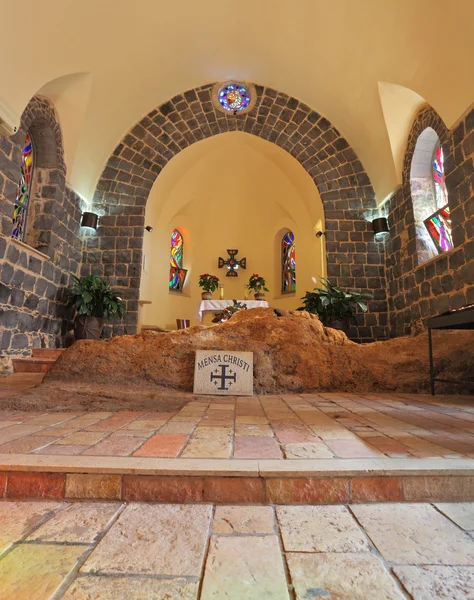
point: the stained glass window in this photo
(234, 97)
(439, 178)
(288, 262)
(177, 273)
(439, 228)
(23, 192)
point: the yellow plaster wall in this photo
(230, 191)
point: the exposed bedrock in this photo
(293, 352)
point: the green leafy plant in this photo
(257, 283)
(92, 296)
(208, 283)
(334, 305)
(228, 311)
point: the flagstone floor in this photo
(325, 425)
(114, 551)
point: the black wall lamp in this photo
(320, 234)
(89, 220)
(380, 225)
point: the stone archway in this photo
(354, 259)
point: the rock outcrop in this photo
(293, 352)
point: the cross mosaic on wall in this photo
(232, 263)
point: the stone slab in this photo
(415, 534)
(244, 519)
(167, 539)
(136, 588)
(333, 575)
(33, 571)
(320, 529)
(247, 567)
(437, 582)
(462, 513)
(77, 523)
(223, 373)
(18, 518)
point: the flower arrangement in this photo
(257, 283)
(208, 283)
(230, 310)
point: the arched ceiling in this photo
(330, 55)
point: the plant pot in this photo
(341, 325)
(206, 295)
(88, 328)
(259, 296)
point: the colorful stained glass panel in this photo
(439, 178)
(23, 191)
(177, 273)
(288, 261)
(234, 97)
(439, 228)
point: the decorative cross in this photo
(232, 263)
(223, 377)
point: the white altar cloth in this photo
(220, 305)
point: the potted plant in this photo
(257, 284)
(209, 284)
(95, 302)
(335, 307)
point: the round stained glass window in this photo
(234, 97)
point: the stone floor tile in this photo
(260, 430)
(18, 431)
(244, 519)
(167, 539)
(35, 571)
(18, 518)
(52, 418)
(333, 432)
(288, 435)
(350, 576)
(62, 449)
(207, 448)
(307, 450)
(437, 582)
(26, 444)
(256, 447)
(415, 534)
(117, 446)
(462, 513)
(180, 427)
(164, 445)
(83, 438)
(78, 522)
(95, 587)
(244, 567)
(320, 529)
(352, 449)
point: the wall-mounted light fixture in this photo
(380, 226)
(149, 228)
(320, 234)
(89, 220)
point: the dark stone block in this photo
(13, 254)
(35, 264)
(20, 340)
(17, 278)
(3, 246)
(4, 293)
(5, 340)
(17, 297)
(32, 302)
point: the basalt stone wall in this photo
(354, 258)
(33, 275)
(419, 291)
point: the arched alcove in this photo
(231, 191)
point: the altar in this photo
(206, 306)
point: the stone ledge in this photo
(29, 249)
(236, 490)
(222, 467)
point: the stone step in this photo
(47, 352)
(32, 365)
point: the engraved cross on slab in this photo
(223, 372)
(223, 377)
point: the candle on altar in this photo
(246, 292)
(221, 291)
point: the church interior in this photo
(237, 300)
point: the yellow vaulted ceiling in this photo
(105, 64)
